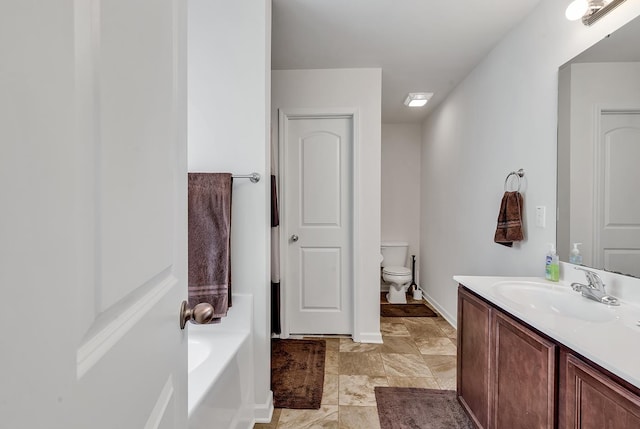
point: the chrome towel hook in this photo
(518, 174)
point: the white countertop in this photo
(612, 343)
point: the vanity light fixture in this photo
(590, 10)
(417, 99)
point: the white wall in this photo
(400, 209)
(229, 99)
(502, 117)
(358, 89)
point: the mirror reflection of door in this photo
(617, 226)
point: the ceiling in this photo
(420, 45)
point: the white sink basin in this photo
(547, 298)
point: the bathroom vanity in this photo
(535, 354)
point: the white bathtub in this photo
(220, 393)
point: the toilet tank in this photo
(394, 253)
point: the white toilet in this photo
(394, 256)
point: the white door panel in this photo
(318, 209)
(618, 232)
(320, 175)
(103, 127)
(320, 267)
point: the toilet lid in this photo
(398, 271)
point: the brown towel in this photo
(210, 241)
(510, 227)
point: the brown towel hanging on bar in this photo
(210, 241)
(510, 226)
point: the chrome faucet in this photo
(594, 289)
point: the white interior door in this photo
(93, 219)
(618, 229)
(317, 244)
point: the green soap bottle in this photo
(552, 264)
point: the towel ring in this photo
(518, 174)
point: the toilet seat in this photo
(396, 271)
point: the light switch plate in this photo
(541, 216)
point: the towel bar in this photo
(254, 177)
(518, 174)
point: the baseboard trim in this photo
(264, 412)
(370, 337)
(444, 313)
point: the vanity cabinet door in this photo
(474, 324)
(591, 400)
(523, 377)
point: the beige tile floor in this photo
(417, 352)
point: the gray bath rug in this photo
(413, 408)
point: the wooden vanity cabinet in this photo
(510, 376)
(591, 400)
(523, 379)
(474, 325)
(506, 372)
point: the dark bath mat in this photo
(297, 373)
(406, 310)
(409, 408)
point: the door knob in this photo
(294, 238)
(202, 313)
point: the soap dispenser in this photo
(575, 257)
(552, 264)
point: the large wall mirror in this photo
(599, 153)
